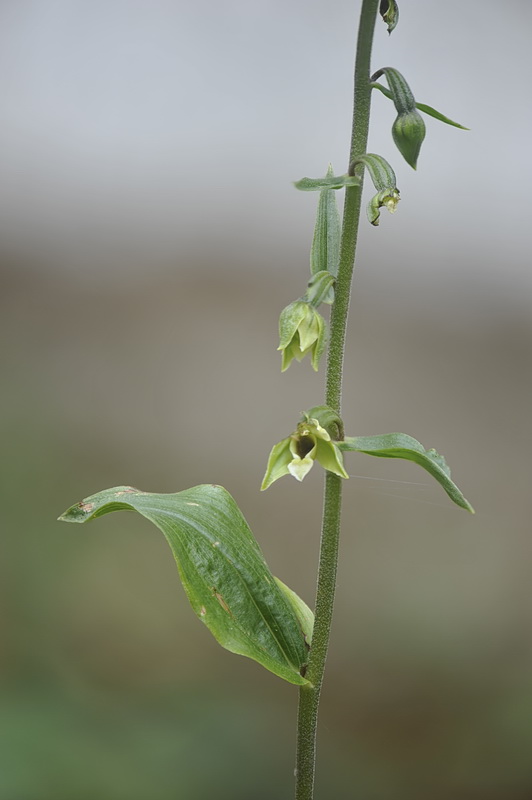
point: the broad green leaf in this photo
(328, 182)
(400, 445)
(222, 571)
(422, 107)
(325, 250)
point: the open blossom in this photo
(296, 454)
(387, 198)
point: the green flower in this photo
(296, 454)
(388, 198)
(302, 330)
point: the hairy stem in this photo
(309, 696)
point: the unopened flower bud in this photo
(408, 132)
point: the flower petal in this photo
(318, 431)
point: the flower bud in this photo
(408, 132)
(302, 331)
(296, 454)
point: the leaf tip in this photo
(79, 512)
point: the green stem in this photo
(309, 696)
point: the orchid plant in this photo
(222, 569)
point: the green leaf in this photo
(400, 445)
(422, 107)
(325, 251)
(328, 182)
(437, 115)
(222, 571)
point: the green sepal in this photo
(222, 570)
(389, 11)
(384, 180)
(278, 460)
(289, 321)
(302, 331)
(320, 289)
(400, 445)
(422, 107)
(329, 456)
(328, 182)
(325, 250)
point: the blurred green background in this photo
(150, 237)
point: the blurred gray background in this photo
(150, 236)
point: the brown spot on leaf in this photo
(221, 601)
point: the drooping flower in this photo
(302, 331)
